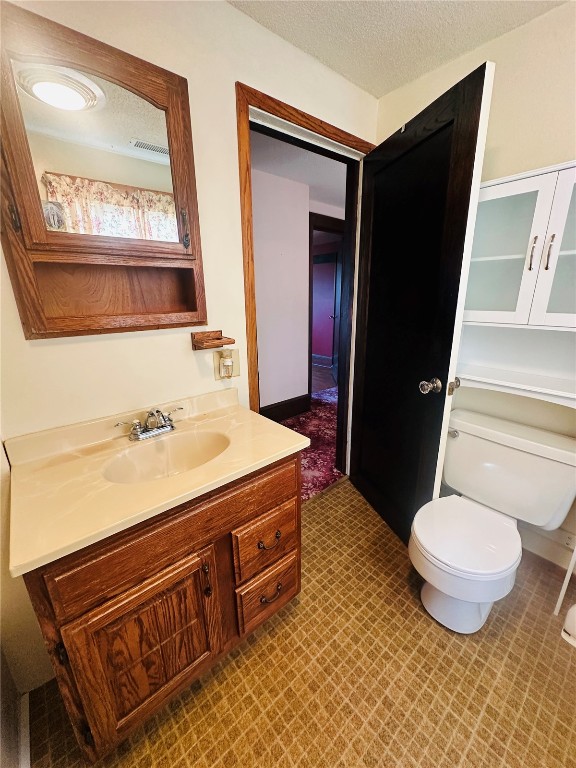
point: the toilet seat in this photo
(465, 538)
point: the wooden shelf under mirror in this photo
(91, 291)
(99, 228)
(210, 340)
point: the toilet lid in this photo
(467, 536)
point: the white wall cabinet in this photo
(554, 300)
(523, 267)
(520, 310)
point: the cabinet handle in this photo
(277, 535)
(531, 262)
(265, 600)
(208, 587)
(547, 265)
(186, 233)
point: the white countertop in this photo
(61, 501)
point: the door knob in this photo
(434, 385)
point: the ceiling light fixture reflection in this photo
(60, 87)
(59, 95)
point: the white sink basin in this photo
(164, 456)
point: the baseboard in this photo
(322, 360)
(24, 731)
(287, 408)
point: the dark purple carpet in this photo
(319, 424)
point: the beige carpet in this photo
(354, 673)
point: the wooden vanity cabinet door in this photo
(133, 653)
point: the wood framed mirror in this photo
(100, 226)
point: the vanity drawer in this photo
(93, 575)
(265, 594)
(264, 540)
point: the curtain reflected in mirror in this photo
(100, 155)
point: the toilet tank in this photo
(523, 472)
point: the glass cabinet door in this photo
(511, 226)
(555, 297)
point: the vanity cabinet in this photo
(523, 266)
(134, 619)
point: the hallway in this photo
(319, 424)
(322, 378)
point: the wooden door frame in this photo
(247, 97)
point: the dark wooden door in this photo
(419, 195)
(138, 649)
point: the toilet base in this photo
(458, 615)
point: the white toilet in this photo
(468, 547)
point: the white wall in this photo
(281, 273)
(533, 112)
(52, 382)
(49, 154)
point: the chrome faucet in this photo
(155, 419)
(156, 423)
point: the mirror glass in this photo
(100, 154)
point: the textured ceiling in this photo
(382, 44)
(325, 177)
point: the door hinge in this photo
(453, 385)
(61, 653)
(14, 217)
(87, 735)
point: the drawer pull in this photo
(264, 599)
(277, 535)
(208, 587)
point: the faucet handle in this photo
(135, 426)
(179, 408)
